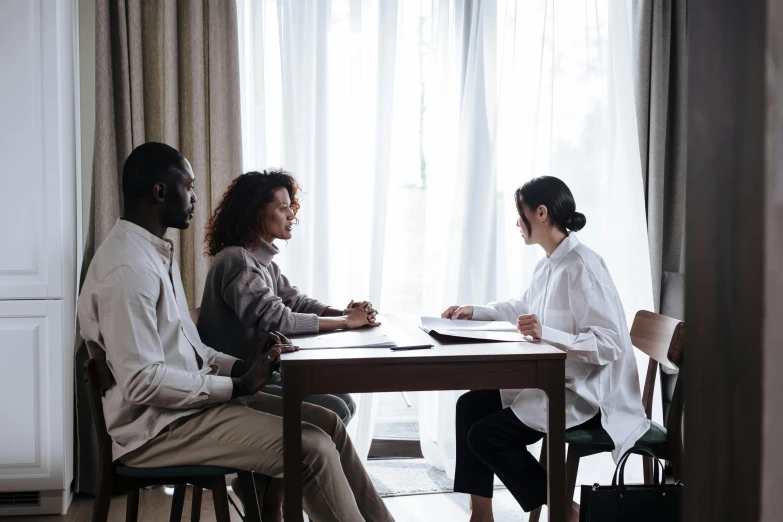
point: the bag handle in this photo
(620, 471)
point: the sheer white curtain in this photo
(410, 124)
(318, 81)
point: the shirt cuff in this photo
(305, 323)
(555, 337)
(483, 313)
(224, 363)
(220, 389)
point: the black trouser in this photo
(491, 440)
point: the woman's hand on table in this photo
(364, 305)
(464, 312)
(358, 317)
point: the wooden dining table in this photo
(452, 364)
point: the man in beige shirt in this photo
(177, 401)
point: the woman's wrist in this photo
(326, 324)
(332, 312)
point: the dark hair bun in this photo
(576, 222)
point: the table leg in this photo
(551, 378)
(292, 445)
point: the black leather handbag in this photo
(632, 503)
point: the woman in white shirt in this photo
(572, 304)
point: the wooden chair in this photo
(114, 476)
(662, 339)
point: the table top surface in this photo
(405, 331)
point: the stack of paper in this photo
(344, 340)
(483, 330)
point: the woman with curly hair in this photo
(247, 295)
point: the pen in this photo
(417, 347)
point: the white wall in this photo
(87, 102)
(772, 451)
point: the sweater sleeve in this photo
(292, 297)
(257, 306)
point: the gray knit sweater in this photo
(245, 295)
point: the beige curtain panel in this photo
(166, 70)
(660, 82)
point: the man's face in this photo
(180, 200)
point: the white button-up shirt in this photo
(133, 306)
(580, 311)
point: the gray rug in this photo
(396, 429)
(400, 477)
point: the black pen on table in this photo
(417, 347)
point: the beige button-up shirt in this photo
(133, 306)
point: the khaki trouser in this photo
(247, 434)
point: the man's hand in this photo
(277, 339)
(260, 367)
(458, 312)
(529, 325)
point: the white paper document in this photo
(344, 340)
(483, 330)
(475, 326)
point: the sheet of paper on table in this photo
(482, 330)
(344, 340)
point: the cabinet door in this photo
(37, 154)
(32, 392)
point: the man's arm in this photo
(127, 318)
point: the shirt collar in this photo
(562, 250)
(265, 252)
(165, 246)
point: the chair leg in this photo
(249, 497)
(132, 506)
(536, 513)
(100, 508)
(676, 467)
(647, 466)
(178, 502)
(195, 510)
(572, 469)
(220, 498)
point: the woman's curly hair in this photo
(238, 219)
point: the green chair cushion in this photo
(655, 435)
(172, 471)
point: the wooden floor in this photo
(154, 506)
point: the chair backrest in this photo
(194, 315)
(663, 340)
(99, 379)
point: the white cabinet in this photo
(31, 206)
(31, 385)
(38, 236)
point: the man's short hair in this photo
(148, 164)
